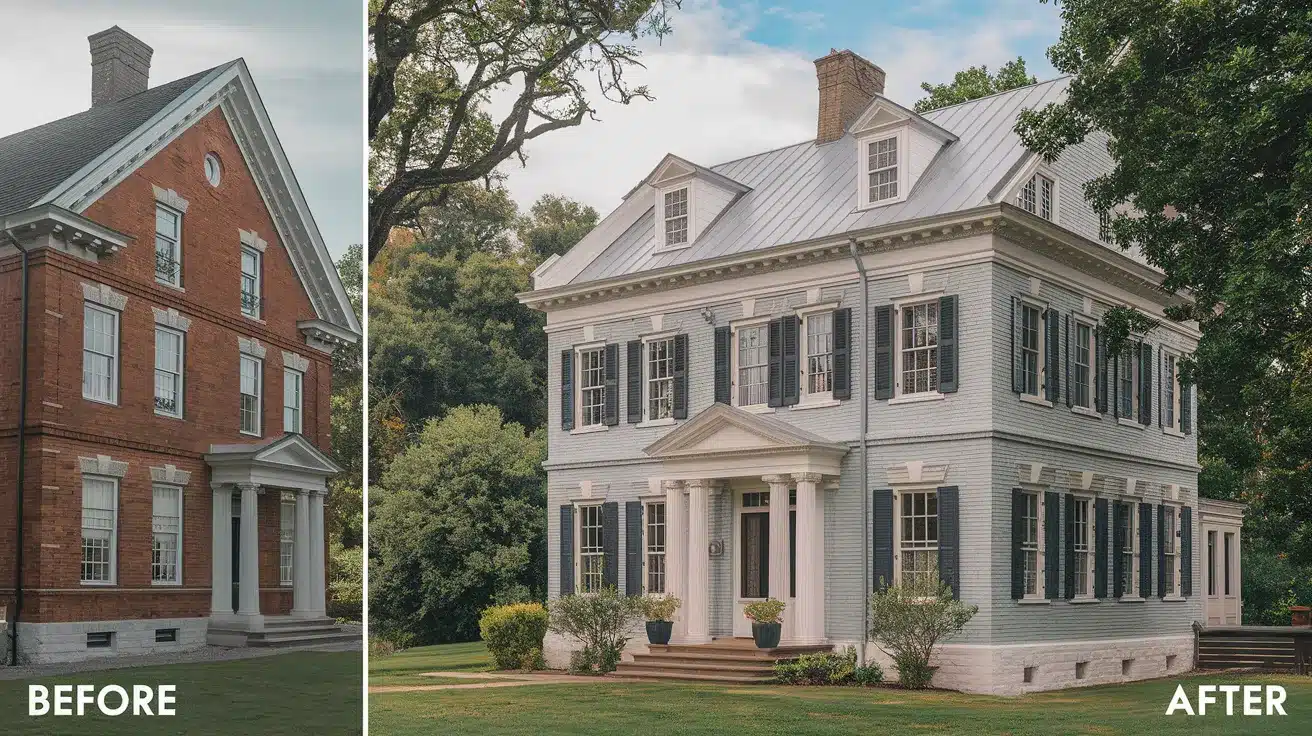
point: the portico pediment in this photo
(290, 461)
(723, 439)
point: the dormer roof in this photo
(883, 112)
(674, 168)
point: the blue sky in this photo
(737, 78)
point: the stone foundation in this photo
(67, 642)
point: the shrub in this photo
(868, 674)
(907, 621)
(764, 612)
(514, 634)
(599, 622)
(381, 647)
(660, 607)
(821, 668)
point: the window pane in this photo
(753, 369)
(919, 348)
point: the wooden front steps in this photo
(733, 661)
(1270, 648)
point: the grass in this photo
(294, 693)
(406, 667)
(610, 707)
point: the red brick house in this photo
(168, 311)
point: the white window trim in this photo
(182, 370)
(1076, 322)
(1089, 594)
(113, 535)
(114, 365)
(258, 316)
(645, 398)
(1176, 593)
(1176, 429)
(177, 581)
(176, 283)
(807, 399)
(897, 524)
(1133, 594)
(863, 167)
(1136, 368)
(734, 327)
(899, 396)
(1044, 171)
(1041, 361)
(290, 579)
(259, 395)
(1040, 588)
(662, 246)
(288, 373)
(579, 426)
(647, 503)
(578, 542)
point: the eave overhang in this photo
(32, 224)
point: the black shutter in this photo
(1017, 382)
(723, 346)
(1186, 551)
(1118, 542)
(775, 350)
(948, 365)
(1145, 384)
(1100, 548)
(566, 549)
(633, 379)
(1115, 392)
(610, 544)
(882, 536)
(1066, 358)
(1100, 367)
(633, 547)
(1052, 545)
(790, 369)
(949, 535)
(843, 353)
(1161, 550)
(567, 389)
(1017, 537)
(1051, 378)
(1161, 388)
(1145, 549)
(1187, 407)
(681, 376)
(884, 352)
(1069, 550)
(611, 410)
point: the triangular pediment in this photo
(885, 113)
(723, 428)
(294, 449)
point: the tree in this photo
(974, 83)
(436, 64)
(460, 527)
(1206, 104)
(344, 516)
(554, 225)
(908, 621)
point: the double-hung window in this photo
(1083, 524)
(660, 378)
(293, 382)
(881, 170)
(1083, 372)
(168, 246)
(251, 303)
(1037, 196)
(820, 354)
(918, 349)
(591, 553)
(676, 217)
(592, 386)
(1031, 336)
(918, 536)
(753, 365)
(99, 529)
(655, 546)
(100, 354)
(1170, 551)
(286, 541)
(1129, 534)
(168, 371)
(251, 390)
(1029, 542)
(1128, 394)
(1171, 392)
(166, 526)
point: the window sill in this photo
(1083, 601)
(1035, 400)
(1034, 602)
(162, 415)
(815, 404)
(590, 429)
(1129, 423)
(666, 422)
(1173, 432)
(916, 398)
(165, 584)
(249, 434)
(758, 409)
(98, 583)
(254, 319)
(1174, 599)
(1085, 411)
(167, 285)
(1130, 599)
(99, 401)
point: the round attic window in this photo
(213, 170)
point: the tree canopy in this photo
(974, 83)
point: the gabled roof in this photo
(807, 192)
(289, 461)
(882, 110)
(672, 167)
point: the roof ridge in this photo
(996, 94)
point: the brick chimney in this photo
(120, 65)
(847, 84)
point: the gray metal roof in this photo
(36, 160)
(808, 191)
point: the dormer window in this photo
(676, 217)
(1037, 196)
(886, 168)
(881, 163)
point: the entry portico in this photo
(240, 473)
(774, 477)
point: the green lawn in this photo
(296, 693)
(610, 707)
(405, 667)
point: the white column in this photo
(221, 552)
(249, 590)
(318, 578)
(302, 590)
(809, 622)
(676, 516)
(698, 581)
(779, 573)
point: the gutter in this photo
(22, 450)
(865, 451)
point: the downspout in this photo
(865, 465)
(22, 449)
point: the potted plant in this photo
(764, 616)
(659, 610)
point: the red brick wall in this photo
(63, 425)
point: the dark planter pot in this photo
(658, 632)
(766, 635)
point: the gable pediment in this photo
(725, 429)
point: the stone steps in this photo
(730, 661)
(283, 631)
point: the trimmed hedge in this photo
(827, 668)
(513, 635)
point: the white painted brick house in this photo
(717, 431)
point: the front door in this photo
(1221, 576)
(751, 557)
(236, 560)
